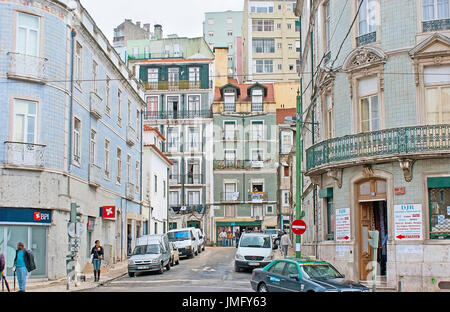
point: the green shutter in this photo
(326, 193)
(438, 182)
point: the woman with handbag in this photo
(96, 259)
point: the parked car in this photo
(152, 253)
(300, 275)
(201, 241)
(174, 254)
(276, 235)
(186, 240)
(255, 250)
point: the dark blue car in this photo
(300, 275)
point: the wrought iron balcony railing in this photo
(25, 154)
(96, 105)
(27, 67)
(436, 25)
(94, 175)
(241, 164)
(396, 141)
(174, 85)
(188, 114)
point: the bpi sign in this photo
(40, 216)
(108, 212)
(298, 227)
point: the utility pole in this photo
(299, 153)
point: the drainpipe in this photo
(69, 148)
(142, 151)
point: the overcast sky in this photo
(181, 17)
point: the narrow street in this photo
(210, 271)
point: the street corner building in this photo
(377, 157)
(70, 134)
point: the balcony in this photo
(366, 39)
(149, 56)
(94, 175)
(25, 154)
(256, 197)
(152, 115)
(173, 85)
(130, 190)
(241, 164)
(385, 144)
(193, 178)
(230, 135)
(27, 67)
(131, 135)
(96, 106)
(436, 25)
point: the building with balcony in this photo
(178, 77)
(376, 136)
(129, 31)
(245, 157)
(270, 40)
(64, 143)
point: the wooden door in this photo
(365, 251)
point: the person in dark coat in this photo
(23, 263)
(97, 251)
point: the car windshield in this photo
(255, 242)
(146, 249)
(271, 232)
(179, 236)
(322, 271)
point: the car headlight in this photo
(189, 247)
(239, 257)
(268, 258)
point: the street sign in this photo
(343, 224)
(408, 222)
(298, 227)
(75, 229)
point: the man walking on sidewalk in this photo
(97, 251)
(23, 263)
(285, 242)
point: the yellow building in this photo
(286, 94)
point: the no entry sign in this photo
(298, 227)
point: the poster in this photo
(343, 224)
(408, 222)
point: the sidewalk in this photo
(108, 273)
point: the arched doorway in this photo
(372, 215)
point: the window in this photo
(152, 107)
(269, 209)
(285, 198)
(230, 211)
(25, 121)
(229, 130)
(261, 7)
(172, 139)
(288, 7)
(297, 26)
(136, 51)
(174, 75)
(290, 46)
(291, 269)
(330, 116)
(152, 77)
(164, 188)
(257, 211)
(106, 160)
(278, 26)
(193, 198)
(330, 218)
(77, 141)
(257, 100)
(289, 26)
(28, 33)
(297, 46)
(156, 184)
(230, 58)
(369, 109)
(230, 33)
(107, 96)
(128, 168)
(119, 166)
(257, 130)
(93, 148)
(138, 124)
(327, 28)
(230, 157)
(367, 17)
(129, 114)
(279, 45)
(230, 190)
(257, 155)
(137, 170)
(286, 171)
(210, 21)
(287, 142)
(193, 139)
(280, 67)
(229, 20)
(194, 77)
(78, 66)
(193, 171)
(211, 34)
(263, 66)
(229, 99)
(119, 108)
(262, 25)
(437, 94)
(173, 198)
(291, 67)
(263, 45)
(230, 46)
(435, 10)
(94, 76)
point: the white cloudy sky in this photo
(181, 17)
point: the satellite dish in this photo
(73, 5)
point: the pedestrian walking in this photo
(23, 264)
(230, 238)
(223, 237)
(238, 236)
(97, 257)
(285, 242)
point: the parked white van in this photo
(201, 240)
(152, 253)
(186, 240)
(255, 250)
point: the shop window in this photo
(439, 201)
(330, 218)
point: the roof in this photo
(161, 154)
(150, 128)
(285, 112)
(244, 97)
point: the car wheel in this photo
(203, 247)
(196, 252)
(130, 274)
(161, 268)
(262, 288)
(168, 266)
(172, 262)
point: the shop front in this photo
(29, 226)
(235, 226)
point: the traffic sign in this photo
(75, 229)
(298, 227)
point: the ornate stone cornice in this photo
(364, 57)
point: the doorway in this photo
(372, 216)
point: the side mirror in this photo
(294, 276)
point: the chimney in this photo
(158, 32)
(138, 24)
(147, 27)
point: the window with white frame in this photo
(262, 25)
(119, 166)
(173, 198)
(193, 107)
(230, 211)
(261, 7)
(230, 156)
(285, 198)
(174, 175)
(138, 124)
(77, 141)
(194, 77)
(330, 116)
(128, 168)
(108, 96)
(327, 25)
(174, 75)
(193, 198)
(287, 142)
(229, 20)
(229, 130)
(263, 45)
(257, 211)
(152, 77)
(137, 176)
(28, 33)
(257, 155)
(369, 106)
(269, 209)
(94, 76)
(93, 148)
(129, 114)
(230, 33)
(152, 107)
(437, 94)
(230, 191)
(257, 130)
(211, 34)
(107, 159)
(230, 102)
(435, 10)
(263, 66)
(367, 17)
(119, 108)
(25, 121)
(193, 139)
(172, 139)
(78, 65)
